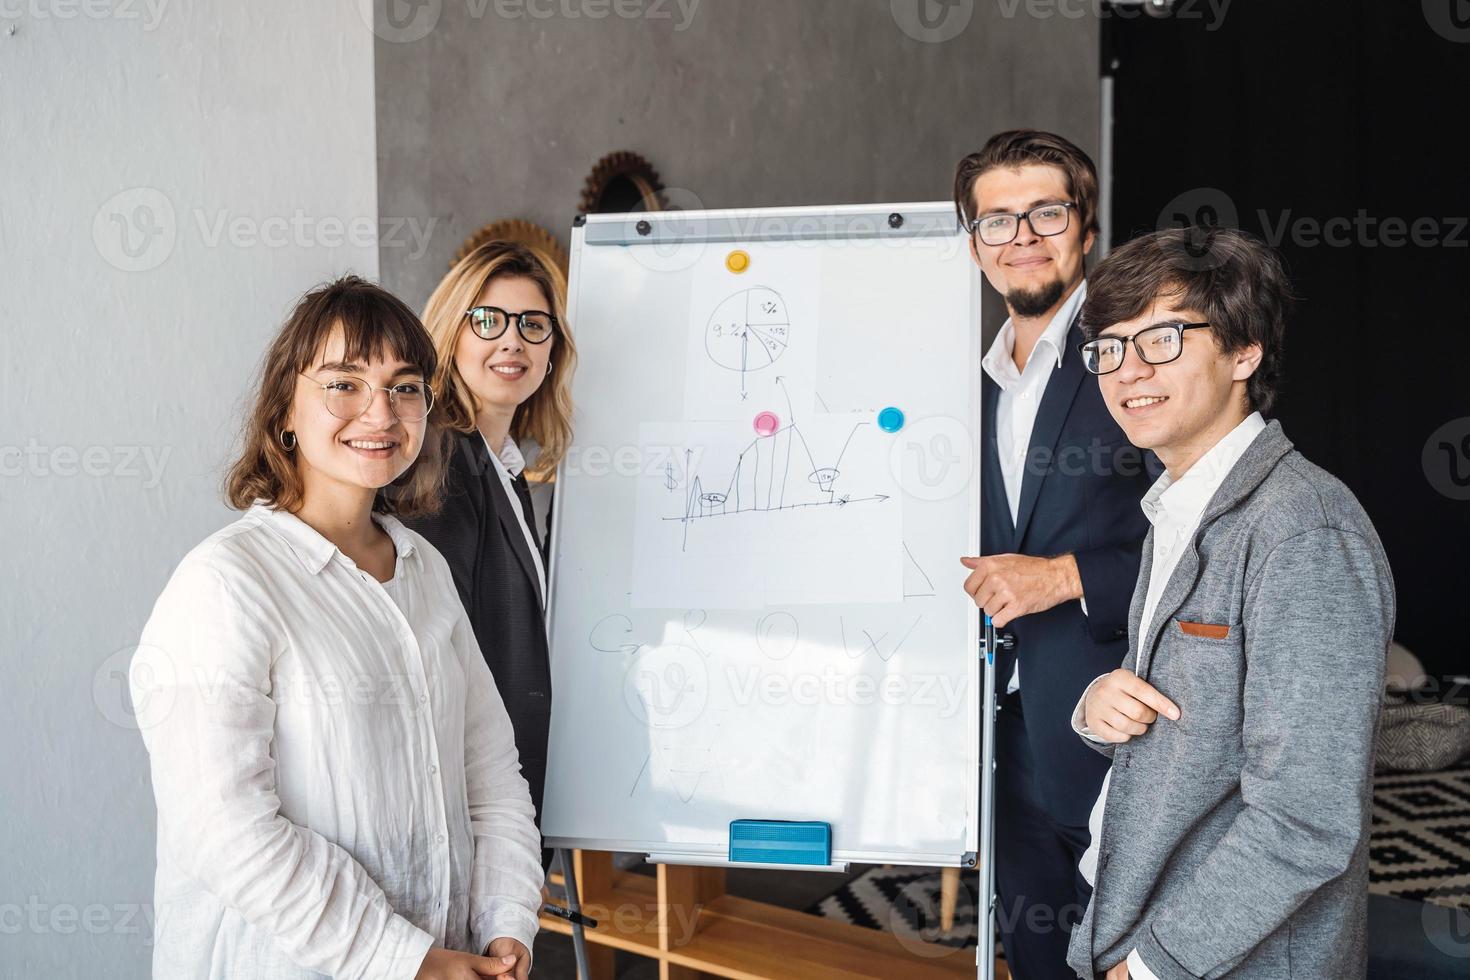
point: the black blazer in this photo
(1080, 494)
(477, 532)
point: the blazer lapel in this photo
(994, 493)
(512, 530)
(1140, 597)
(1180, 584)
(1253, 467)
(1056, 403)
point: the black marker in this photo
(575, 917)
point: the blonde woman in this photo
(505, 371)
(335, 774)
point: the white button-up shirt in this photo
(337, 781)
(1174, 508)
(1020, 399)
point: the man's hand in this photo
(449, 964)
(1010, 586)
(1119, 972)
(1120, 706)
(516, 957)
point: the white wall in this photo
(172, 177)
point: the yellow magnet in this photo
(738, 260)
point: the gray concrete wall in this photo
(499, 108)
(174, 177)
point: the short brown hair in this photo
(546, 417)
(1023, 147)
(372, 321)
(1228, 276)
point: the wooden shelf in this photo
(698, 931)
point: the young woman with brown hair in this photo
(336, 777)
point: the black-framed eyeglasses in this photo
(347, 398)
(491, 322)
(1158, 344)
(1001, 229)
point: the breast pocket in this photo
(1200, 666)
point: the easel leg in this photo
(985, 913)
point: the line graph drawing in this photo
(778, 472)
(748, 331)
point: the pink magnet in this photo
(766, 424)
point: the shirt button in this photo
(441, 838)
(423, 699)
(433, 769)
(1026, 395)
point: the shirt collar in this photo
(998, 362)
(509, 456)
(1181, 502)
(313, 550)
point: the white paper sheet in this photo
(747, 329)
(727, 519)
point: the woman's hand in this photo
(449, 964)
(516, 957)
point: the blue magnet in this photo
(890, 419)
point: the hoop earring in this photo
(282, 439)
(549, 366)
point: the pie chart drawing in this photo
(748, 331)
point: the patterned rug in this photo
(1420, 851)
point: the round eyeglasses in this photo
(491, 322)
(1045, 220)
(348, 397)
(1158, 344)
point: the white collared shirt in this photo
(1020, 399)
(508, 465)
(336, 777)
(1174, 508)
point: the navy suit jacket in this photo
(1080, 495)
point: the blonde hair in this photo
(545, 417)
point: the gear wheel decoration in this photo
(622, 166)
(522, 232)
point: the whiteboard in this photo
(756, 607)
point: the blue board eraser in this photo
(781, 842)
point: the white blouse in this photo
(337, 781)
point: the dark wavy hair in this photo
(374, 322)
(1022, 147)
(1227, 275)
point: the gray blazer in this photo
(1235, 840)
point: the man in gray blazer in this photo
(1231, 835)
